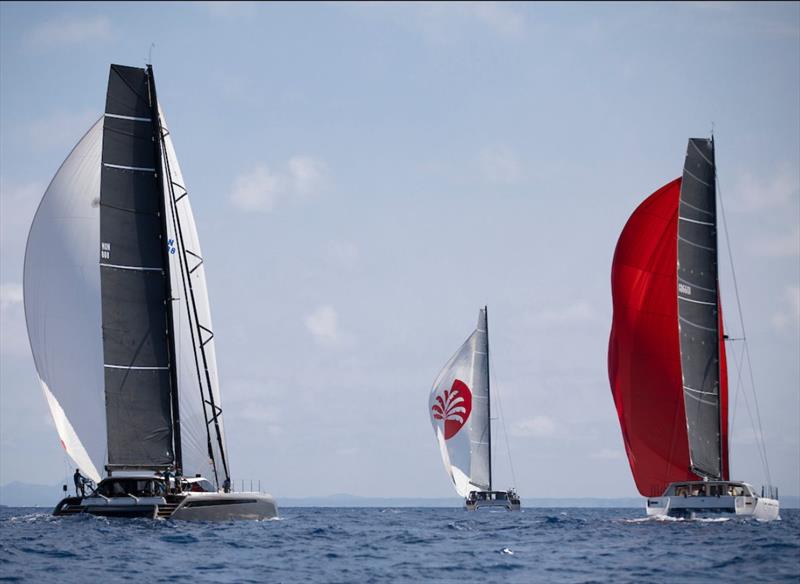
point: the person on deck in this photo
(80, 481)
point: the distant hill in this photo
(18, 494)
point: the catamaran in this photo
(118, 319)
(666, 361)
(460, 410)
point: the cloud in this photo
(261, 189)
(323, 324)
(538, 426)
(65, 31)
(788, 316)
(10, 295)
(777, 246)
(500, 165)
(256, 190)
(758, 193)
(59, 130)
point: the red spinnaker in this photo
(644, 363)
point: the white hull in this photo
(760, 508)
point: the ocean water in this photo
(331, 545)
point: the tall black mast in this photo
(488, 395)
(173, 375)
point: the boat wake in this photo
(668, 519)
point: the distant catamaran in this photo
(666, 358)
(119, 322)
(460, 410)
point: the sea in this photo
(355, 545)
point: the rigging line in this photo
(221, 439)
(746, 350)
(183, 270)
(502, 421)
(737, 389)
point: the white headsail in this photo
(62, 303)
(193, 383)
(459, 410)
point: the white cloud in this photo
(538, 426)
(305, 174)
(786, 245)
(256, 190)
(261, 189)
(323, 324)
(70, 31)
(60, 129)
(10, 295)
(500, 165)
(788, 316)
(753, 192)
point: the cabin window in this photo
(681, 490)
(698, 490)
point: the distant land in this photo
(16, 494)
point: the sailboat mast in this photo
(162, 210)
(722, 457)
(488, 396)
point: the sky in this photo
(365, 177)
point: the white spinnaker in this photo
(62, 303)
(194, 434)
(465, 454)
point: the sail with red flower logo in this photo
(459, 410)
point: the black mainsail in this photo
(138, 347)
(698, 313)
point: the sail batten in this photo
(698, 308)
(134, 302)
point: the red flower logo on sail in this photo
(453, 407)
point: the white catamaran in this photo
(667, 360)
(460, 410)
(119, 323)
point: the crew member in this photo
(79, 483)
